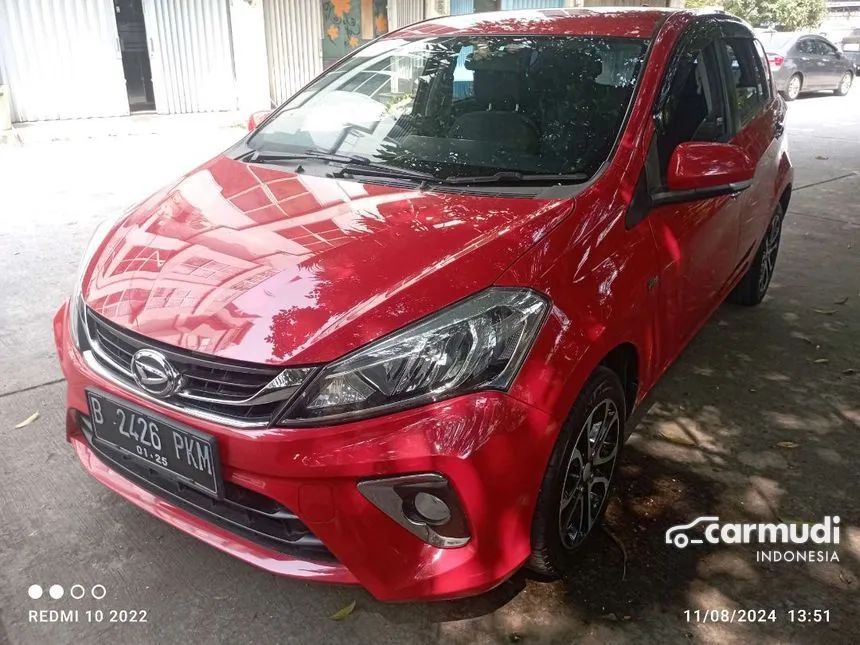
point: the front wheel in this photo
(579, 478)
(844, 84)
(753, 286)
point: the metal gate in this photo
(462, 6)
(61, 59)
(191, 55)
(531, 4)
(293, 31)
(404, 12)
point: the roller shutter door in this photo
(293, 33)
(191, 55)
(61, 59)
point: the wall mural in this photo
(349, 23)
(380, 17)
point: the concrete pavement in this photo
(713, 443)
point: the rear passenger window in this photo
(826, 49)
(747, 77)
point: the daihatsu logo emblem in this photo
(154, 373)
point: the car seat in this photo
(497, 89)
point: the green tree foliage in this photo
(789, 15)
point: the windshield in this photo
(468, 105)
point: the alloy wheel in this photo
(769, 252)
(793, 87)
(587, 478)
(845, 83)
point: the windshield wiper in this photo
(273, 157)
(368, 168)
(352, 164)
(516, 176)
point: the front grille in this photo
(230, 390)
(244, 512)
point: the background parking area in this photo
(758, 421)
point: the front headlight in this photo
(477, 344)
(76, 305)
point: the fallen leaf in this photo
(788, 444)
(845, 578)
(344, 612)
(803, 337)
(825, 312)
(676, 437)
(841, 301)
(28, 420)
(849, 370)
(821, 361)
(611, 616)
(822, 157)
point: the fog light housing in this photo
(431, 509)
(425, 505)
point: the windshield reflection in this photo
(467, 106)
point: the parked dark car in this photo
(806, 63)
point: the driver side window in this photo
(694, 108)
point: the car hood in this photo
(255, 263)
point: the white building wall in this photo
(250, 56)
(436, 8)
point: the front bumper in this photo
(492, 448)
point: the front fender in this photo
(601, 281)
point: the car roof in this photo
(633, 22)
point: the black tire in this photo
(844, 84)
(602, 397)
(793, 88)
(753, 286)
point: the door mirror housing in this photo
(257, 118)
(701, 170)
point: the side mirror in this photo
(701, 170)
(257, 118)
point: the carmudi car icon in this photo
(676, 535)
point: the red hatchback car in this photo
(395, 336)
